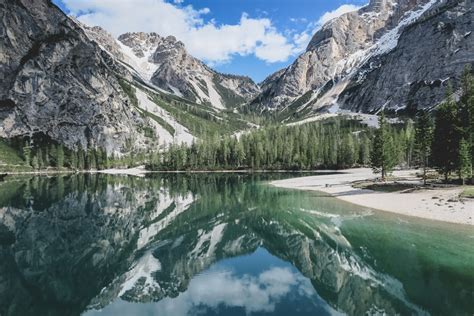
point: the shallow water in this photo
(216, 244)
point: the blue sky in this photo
(247, 37)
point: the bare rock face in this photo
(165, 62)
(343, 52)
(104, 39)
(57, 82)
(140, 43)
(431, 53)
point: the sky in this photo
(246, 37)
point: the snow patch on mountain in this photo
(214, 96)
(141, 65)
(213, 237)
(143, 269)
(181, 135)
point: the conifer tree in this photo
(80, 159)
(423, 140)
(467, 111)
(60, 157)
(446, 137)
(383, 156)
(27, 153)
(464, 162)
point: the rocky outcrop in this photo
(103, 38)
(358, 60)
(59, 83)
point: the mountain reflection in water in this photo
(216, 244)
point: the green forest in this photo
(442, 139)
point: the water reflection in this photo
(217, 244)
(222, 290)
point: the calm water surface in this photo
(219, 245)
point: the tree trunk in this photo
(424, 175)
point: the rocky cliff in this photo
(393, 54)
(431, 53)
(59, 83)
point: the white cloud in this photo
(207, 40)
(254, 294)
(212, 42)
(343, 9)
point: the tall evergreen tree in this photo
(467, 111)
(446, 138)
(60, 157)
(383, 156)
(27, 153)
(423, 140)
(464, 162)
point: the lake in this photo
(219, 244)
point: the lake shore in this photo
(440, 204)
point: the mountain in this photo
(66, 83)
(59, 84)
(165, 63)
(75, 85)
(389, 54)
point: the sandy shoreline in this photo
(434, 204)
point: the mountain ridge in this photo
(318, 77)
(165, 63)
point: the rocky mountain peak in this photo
(140, 42)
(171, 49)
(338, 49)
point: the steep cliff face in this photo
(366, 55)
(431, 53)
(59, 83)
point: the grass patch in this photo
(9, 156)
(159, 120)
(468, 192)
(129, 90)
(388, 187)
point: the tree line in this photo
(444, 141)
(40, 155)
(335, 144)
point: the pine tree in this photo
(467, 110)
(464, 161)
(423, 140)
(446, 137)
(383, 156)
(364, 151)
(80, 159)
(240, 154)
(35, 162)
(27, 153)
(39, 157)
(60, 157)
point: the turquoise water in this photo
(219, 245)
